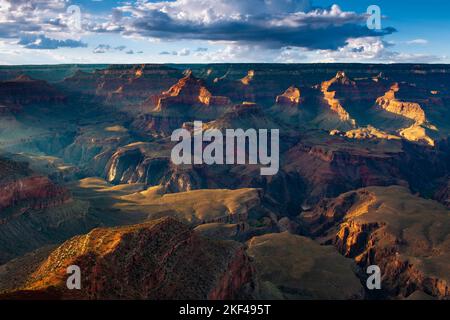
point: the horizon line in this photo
(229, 63)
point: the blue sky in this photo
(209, 31)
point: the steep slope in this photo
(410, 110)
(23, 91)
(244, 116)
(160, 259)
(34, 211)
(333, 104)
(185, 101)
(291, 97)
(189, 91)
(406, 236)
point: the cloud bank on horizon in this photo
(88, 31)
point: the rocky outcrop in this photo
(417, 133)
(332, 102)
(294, 267)
(406, 236)
(368, 132)
(161, 259)
(132, 164)
(291, 97)
(248, 78)
(408, 110)
(189, 91)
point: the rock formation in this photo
(334, 103)
(291, 97)
(368, 132)
(189, 91)
(23, 91)
(34, 211)
(406, 236)
(19, 186)
(159, 259)
(248, 78)
(408, 110)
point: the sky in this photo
(223, 31)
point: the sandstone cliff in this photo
(333, 103)
(189, 91)
(291, 97)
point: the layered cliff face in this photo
(189, 91)
(408, 110)
(185, 101)
(406, 236)
(93, 147)
(19, 186)
(124, 85)
(333, 103)
(243, 116)
(334, 165)
(34, 211)
(23, 91)
(294, 267)
(160, 259)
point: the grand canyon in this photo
(86, 179)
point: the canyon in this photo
(87, 179)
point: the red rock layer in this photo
(34, 192)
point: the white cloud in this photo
(372, 50)
(417, 41)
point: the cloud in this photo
(42, 42)
(183, 53)
(104, 48)
(417, 41)
(26, 16)
(270, 24)
(372, 49)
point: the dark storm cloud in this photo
(317, 29)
